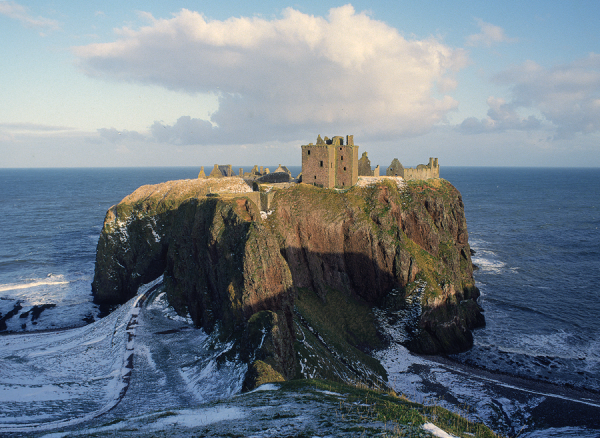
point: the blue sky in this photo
(195, 83)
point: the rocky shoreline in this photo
(509, 404)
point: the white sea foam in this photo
(556, 345)
(51, 280)
(488, 261)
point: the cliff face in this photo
(302, 282)
(379, 239)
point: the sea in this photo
(535, 233)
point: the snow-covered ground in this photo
(144, 368)
(63, 378)
(60, 378)
(368, 181)
(508, 405)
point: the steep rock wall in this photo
(371, 241)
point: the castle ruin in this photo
(330, 163)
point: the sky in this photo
(149, 83)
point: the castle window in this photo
(344, 168)
(342, 158)
(308, 152)
(321, 163)
(315, 176)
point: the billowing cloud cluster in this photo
(283, 77)
(566, 95)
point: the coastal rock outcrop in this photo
(302, 281)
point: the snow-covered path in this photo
(142, 357)
(56, 379)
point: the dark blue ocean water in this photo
(536, 233)
(50, 220)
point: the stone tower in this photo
(330, 163)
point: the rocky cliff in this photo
(301, 288)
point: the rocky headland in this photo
(302, 289)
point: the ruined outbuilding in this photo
(422, 171)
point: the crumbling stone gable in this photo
(226, 169)
(364, 166)
(216, 172)
(281, 168)
(395, 169)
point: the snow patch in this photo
(86, 371)
(337, 394)
(370, 181)
(266, 387)
(436, 431)
(198, 417)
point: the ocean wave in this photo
(560, 358)
(487, 261)
(559, 345)
(52, 280)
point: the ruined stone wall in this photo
(364, 166)
(422, 171)
(395, 169)
(318, 165)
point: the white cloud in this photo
(489, 35)
(283, 77)
(568, 95)
(16, 11)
